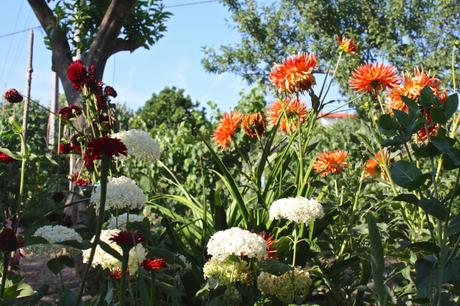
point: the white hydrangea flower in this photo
(54, 234)
(298, 209)
(122, 194)
(121, 221)
(140, 145)
(236, 241)
(136, 255)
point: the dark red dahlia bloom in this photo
(70, 112)
(101, 103)
(6, 159)
(110, 91)
(77, 74)
(78, 180)
(57, 196)
(103, 146)
(64, 148)
(153, 264)
(115, 274)
(126, 239)
(13, 96)
(8, 240)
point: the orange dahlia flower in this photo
(330, 162)
(253, 124)
(347, 45)
(411, 87)
(226, 129)
(290, 112)
(374, 77)
(374, 164)
(295, 73)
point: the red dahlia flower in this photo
(8, 240)
(253, 124)
(271, 250)
(13, 96)
(126, 239)
(103, 146)
(374, 78)
(226, 128)
(70, 112)
(110, 91)
(115, 274)
(330, 162)
(153, 264)
(77, 73)
(6, 159)
(347, 45)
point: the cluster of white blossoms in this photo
(290, 287)
(123, 219)
(54, 234)
(298, 209)
(236, 241)
(122, 194)
(101, 258)
(140, 145)
(227, 271)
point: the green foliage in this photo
(405, 33)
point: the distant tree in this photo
(405, 33)
(98, 29)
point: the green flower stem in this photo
(294, 242)
(6, 263)
(152, 285)
(105, 163)
(124, 277)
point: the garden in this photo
(261, 204)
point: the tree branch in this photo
(61, 54)
(108, 32)
(123, 45)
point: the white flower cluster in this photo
(227, 271)
(290, 287)
(122, 194)
(123, 219)
(140, 145)
(54, 234)
(236, 241)
(106, 261)
(299, 209)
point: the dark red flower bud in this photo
(13, 96)
(70, 112)
(153, 264)
(101, 103)
(103, 146)
(8, 240)
(6, 159)
(76, 73)
(64, 148)
(126, 239)
(115, 274)
(110, 91)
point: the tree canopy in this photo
(405, 33)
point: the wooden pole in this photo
(54, 105)
(28, 88)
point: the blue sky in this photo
(174, 61)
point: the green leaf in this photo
(451, 105)
(438, 116)
(377, 259)
(444, 145)
(6, 151)
(427, 97)
(411, 104)
(424, 246)
(433, 207)
(55, 265)
(406, 174)
(386, 122)
(274, 267)
(407, 197)
(108, 249)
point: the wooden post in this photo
(54, 105)
(28, 88)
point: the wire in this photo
(20, 31)
(190, 3)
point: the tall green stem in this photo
(6, 263)
(294, 247)
(124, 268)
(105, 163)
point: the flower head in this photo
(127, 239)
(374, 78)
(6, 159)
(115, 274)
(236, 241)
(121, 221)
(103, 146)
(140, 145)
(110, 91)
(253, 124)
(106, 261)
(298, 209)
(76, 73)
(70, 112)
(78, 180)
(122, 194)
(8, 240)
(55, 235)
(347, 45)
(13, 96)
(228, 271)
(295, 73)
(153, 264)
(226, 128)
(331, 162)
(270, 241)
(374, 164)
(411, 86)
(289, 113)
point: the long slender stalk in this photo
(105, 163)
(294, 242)
(124, 272)
(6, 263)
